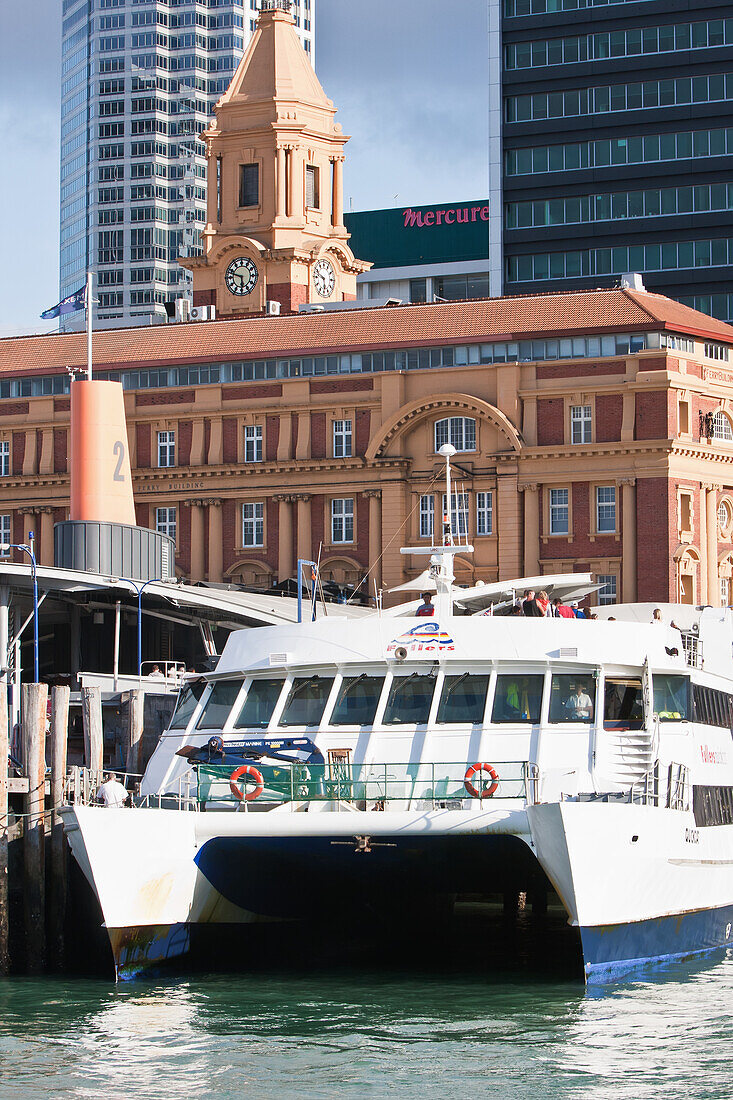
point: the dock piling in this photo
(136, 715)
(59, 733)
(34, 700)
(91, 704)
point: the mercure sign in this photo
(453, 215)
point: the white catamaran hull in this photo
(625, 874)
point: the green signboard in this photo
(407, 236)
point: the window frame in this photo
(584, 424)
(342, 438)
(163, 524)
(485, 513)
(340, 517)
(452, 433)
(252, 443)
(245, 187)
(553, 508)
(166, 441)
(426, 512)
(256, 522)
(599, 529)
(312, 187)
(4, 458)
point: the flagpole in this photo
(88, 303)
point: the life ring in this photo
(255, 775)
(473, 791)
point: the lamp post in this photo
(31, 552)
(140, 588)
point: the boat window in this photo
(306, 701)
(219, 704)
(463, 698)
(187, 702)
(623, 703)
(517, 698)
(409, 700)
(572, 698)
(259, 704)
(357, 700)
(671, 697)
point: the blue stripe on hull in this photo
(611, 949)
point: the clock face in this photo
(241, 276)
(324, 278)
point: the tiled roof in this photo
(520, 318)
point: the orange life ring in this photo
(473, 791)
(255, 775)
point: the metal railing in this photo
(369, 786)
(672, 795)
(692, 647)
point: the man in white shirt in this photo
(579, 704)
(112, 792)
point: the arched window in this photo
(725, 513)
(458, 430)
(722, 428)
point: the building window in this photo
(717, 351)
(484, 513)
(458, 513)
(418, 290)
(724, 515)
(165, 522)
(605, 509)
(249, 185)
(342, 520)
(559, 511)
(342, 439)
(253, 525)
(4, 458)
(253, 443)
(607, 594)
(427, 517)
(458, 430)
(724, 590)
(166, 448)
(312, 197)
(685, 512)
(6, 536)
(580, 424)
(721, 427)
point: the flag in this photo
(75, 301)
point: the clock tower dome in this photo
(275, 156)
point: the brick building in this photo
(594, 431)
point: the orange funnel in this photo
(101, 483)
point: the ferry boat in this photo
(408, 759)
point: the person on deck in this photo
(530, 607)
(112, 792)
(426, 607)
(561, 610)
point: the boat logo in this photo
(423, 638)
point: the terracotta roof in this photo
(492, 319)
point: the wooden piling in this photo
(59, 740)
(91, 708)
(34, 698)
(4, 882)
(136, 715)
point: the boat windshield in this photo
(623, 704)
(572, 698)
(409, 700)
(187, 702)
(259, 704)
(219, 704)
(357, 701)
(517, 699)
(671, 697)
(306, 701)
(463, 699)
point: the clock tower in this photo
(275, 156)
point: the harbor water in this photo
(370, 1033)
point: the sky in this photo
(409, 79)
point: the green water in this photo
(369, 1034)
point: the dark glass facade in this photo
(618, 147)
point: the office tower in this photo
(617, 146)
(139, 82)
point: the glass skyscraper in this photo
(616, 150)
(139, 82)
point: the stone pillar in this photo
(280, 183)
(531, 530)
(29, 524)
(303, 533)
(395, 505)
(338, 193)
(45, 536)
(296, 199)
(216, 549)
(197, 540)
(628, 552)
(197, 443)
(285, 566)
(508, 524)
(711, 549)
(375, 539)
